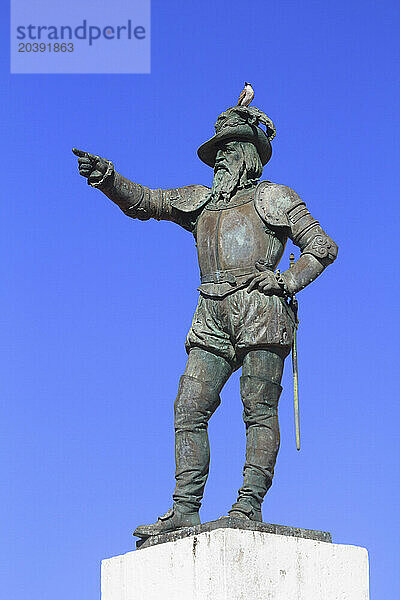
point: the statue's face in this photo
(229, 157)
(229, 169)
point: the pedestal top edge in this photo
(230, 523)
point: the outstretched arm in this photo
(138, 201)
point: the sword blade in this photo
(296, 390)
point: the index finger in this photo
(80, 153)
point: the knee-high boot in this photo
(260, 399)
(194, 405)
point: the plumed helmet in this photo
(240, 123)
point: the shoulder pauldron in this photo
(190, 198)
(273, 202)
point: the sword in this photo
(294, 305)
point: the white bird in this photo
(246, 95)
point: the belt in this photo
(227, 276)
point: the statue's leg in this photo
(260, 391)
(197, 399)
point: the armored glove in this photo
(94, 168)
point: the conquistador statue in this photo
(243, 318)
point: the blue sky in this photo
(95, 306)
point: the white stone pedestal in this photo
(237, 564)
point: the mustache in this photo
(222, 166)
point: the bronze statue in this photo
(245, 315)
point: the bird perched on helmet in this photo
(246, 95)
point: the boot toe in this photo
(171, 521)
(236, 514)
(144, 531)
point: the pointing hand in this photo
(91, 166)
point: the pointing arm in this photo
(180, 205)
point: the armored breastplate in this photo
(230, 241)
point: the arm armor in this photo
(140, 202)
(307, 234)
(318, 250)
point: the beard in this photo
(225, 182)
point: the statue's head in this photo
(237, 156)
(239, 149)
(240, 124)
